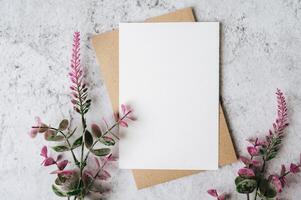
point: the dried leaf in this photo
(63, 125)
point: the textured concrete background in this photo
(261, 42)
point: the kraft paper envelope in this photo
(106, 47)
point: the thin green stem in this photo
(66, 139)
(248, 196)
(105, 133)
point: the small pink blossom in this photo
(246, 172)
(277, 183)
(126, 114)
(294, 168)
(62, 164)
(213, 193)
(248, 161)
(39, 127)
(47, 160)
(253, 151)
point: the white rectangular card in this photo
(169, 74)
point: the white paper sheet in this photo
(169, 74)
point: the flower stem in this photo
(105, 133)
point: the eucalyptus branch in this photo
(106, 132)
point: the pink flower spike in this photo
(294, 168)
(44, 152)
(61, 165)
(246, 172)
(253, 151)
(212, 192)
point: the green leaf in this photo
(55, 138)
(60, 148)
(73, 192)
(58, 192)
(266, 189)
(107, 141)
(239, 179)
(88, 139)
(77, 142)
(246, 186)
(101, 152)
(64, 124)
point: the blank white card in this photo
(169, 74)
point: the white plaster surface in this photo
(260, 51)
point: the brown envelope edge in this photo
(106, 48)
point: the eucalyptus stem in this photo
(105, 133)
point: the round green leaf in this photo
(55, 138)
(64, 124)
(88, 139)
(60, 148)
(101, 152)
(246, 186)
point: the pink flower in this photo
(246, 172)
(277, 183)
(253, 151)
(38, 128)
(213, 192)
(294, 168)
(126, 114)
(62, 164)
(47, 160)
(248, 161)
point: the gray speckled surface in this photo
(261, 42)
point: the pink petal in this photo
(123, 108)
(104, 175)
(253, 151)
(221, 197)
(112, 158)
(256, 163)
(44, 152)
(123, 123)
(49, 161)
(245, 160)
(277, 183)
(246, 172)
(33, 132)
(212, 192)
(294, 168)
(97, 162)
(61, 165)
